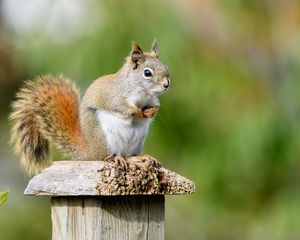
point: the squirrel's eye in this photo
(148, 72)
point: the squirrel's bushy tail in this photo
(46, 109)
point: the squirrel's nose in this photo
(166, 82)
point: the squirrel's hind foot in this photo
(143, 162)
(117, 160)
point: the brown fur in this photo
(46, 110)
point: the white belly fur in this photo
(124, 137)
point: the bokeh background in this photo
(230, 122)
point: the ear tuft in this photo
(136, 53)
(154, 48)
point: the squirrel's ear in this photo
(154, 48)
(136, 53)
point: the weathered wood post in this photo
(100, 200)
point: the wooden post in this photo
(100, 200)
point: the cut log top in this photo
(98, 178)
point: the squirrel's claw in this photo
(118, 160)
(143, 162)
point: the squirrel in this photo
(111, 120)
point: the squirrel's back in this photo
(46, 109)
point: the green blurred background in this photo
(230, 122)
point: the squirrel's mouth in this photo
(164, 85)
(160, 92)
(158, 89)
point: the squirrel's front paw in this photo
(149, 111)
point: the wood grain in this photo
(109, 218)
(94, 200)
(98, 178)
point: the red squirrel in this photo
(111, 120)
